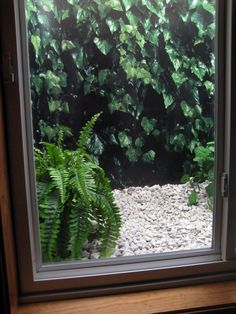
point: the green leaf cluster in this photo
(75, 200)
(204, 160)
(119, 52)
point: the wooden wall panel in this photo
(5, 212)
(161, 301)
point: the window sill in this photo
(193, 298)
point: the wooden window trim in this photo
(191, 299)
(6, 218)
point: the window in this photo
(84, 277)
(157, 96)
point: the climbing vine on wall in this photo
(147, 64)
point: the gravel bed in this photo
(157, 219)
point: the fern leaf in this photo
(110, 228)
(72, 191)
(111, 222)
(60, 178)
(49, 228)
(86, 133)
(79, 229)
(63, 239)
(84, 182)
(54, 154)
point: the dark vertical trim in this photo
(4, 297)
(232, 177)
(230, 165)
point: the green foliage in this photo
(120, 52)
(192, 199)
(204, 159)
(75, 200)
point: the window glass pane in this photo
(137, 77)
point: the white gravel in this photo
(157, 219)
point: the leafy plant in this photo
(75, 200)
(204, 159)
(150, 64)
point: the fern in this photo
(72, 191)
(60, 178)
(86, 133)
(50, 226)
(80, 229)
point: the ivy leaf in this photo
(156, 133)
(188, 111)
(82, 15)
(58, 105)
(208, 122)
(193, 4)
(152, 37)
(185, 178)
(65, 14)
(102, 76)
(36, 42)
(192, 199)
(133, 154)
(78, 57)
(37, 83)
(67, 45)
(114, 4)
(179, 78)
(210, 189)
(199, 69)
(111, 24)
(124, 139)
(208, 7)
(198, 125)
(128, 4)
(149, 156)
(148, 124)
(209, 87)
(151, 7)
(95, 145)
(48, 6)
(42, 18)
(192, 145)
(139, 142)
(87, 88)
(103, 45)
(63, 78)
(197, 18)
(168, 100)
(178, 141)
(116, 105)
(53, 82)
(53, 105)
(202, 154)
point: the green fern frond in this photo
(86, 133)
(84, 182)
(107, 209)
(60, 178)
(72, 191)
(63, 239)
(110, 228)
(79, 230)
(49, 228)
(42, 189)
(53, 154)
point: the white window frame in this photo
(38, 281)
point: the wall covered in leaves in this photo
(148, 65)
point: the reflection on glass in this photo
(137, 77)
